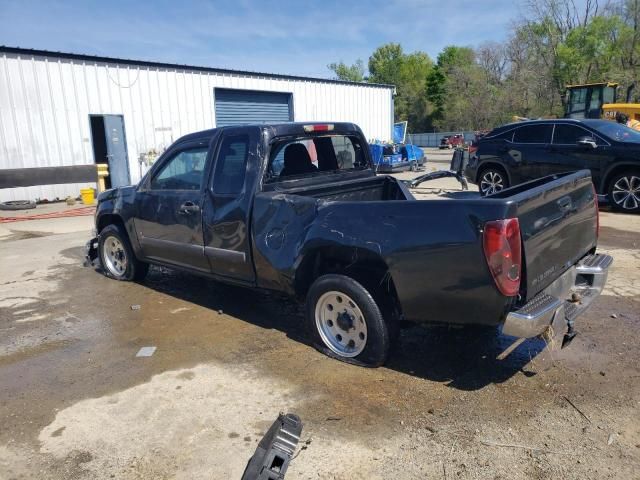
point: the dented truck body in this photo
(428, 259)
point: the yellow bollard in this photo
(103, 171)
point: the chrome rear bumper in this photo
(557, 307)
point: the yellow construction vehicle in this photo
(599, 100)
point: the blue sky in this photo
(291, 37)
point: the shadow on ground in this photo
(462, 358)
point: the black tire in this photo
(378, 338)
(131, 269)
(623, 191)
(492, 174)
(18, 205)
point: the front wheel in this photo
(492, 180)
(624, 192)
(117, 257)
(345, 322)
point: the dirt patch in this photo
(228, 360)
(621, 239)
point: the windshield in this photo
(618, 132)
(310, 156)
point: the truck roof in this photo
(280, 129)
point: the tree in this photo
(385, 63)
(389, 64)
(350, 73)
(556, 43)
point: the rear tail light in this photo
(595, 201)
(501, 242)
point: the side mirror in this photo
(587, 142)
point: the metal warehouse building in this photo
(59, 109)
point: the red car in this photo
(451, 141)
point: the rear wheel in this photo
(117, 257)
(624, 191)
(492, 180)
(345, 322)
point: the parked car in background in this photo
(451, 141)
(519, 152)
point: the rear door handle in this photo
(188, 208)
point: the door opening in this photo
(109, 146)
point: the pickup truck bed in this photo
(357, 247)
(437, 259)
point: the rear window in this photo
(311, 156)
(533, 134)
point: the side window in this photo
(231, 165)
(183, 171)
(533, 134)
(568, 134)
(508, 135)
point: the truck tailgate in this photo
(558, 224)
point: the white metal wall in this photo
(45, 104)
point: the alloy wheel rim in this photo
(626, 192)
(115, 256)
(491, 182)
(341, 324)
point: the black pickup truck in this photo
(297, 208)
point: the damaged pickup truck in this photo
(297, 208)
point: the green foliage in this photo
(384, 64)
(350, 73)
(408, 72)
(558, 44)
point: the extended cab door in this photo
(228, 201)
(168, 217)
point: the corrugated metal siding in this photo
(237, 107)
(45, 103)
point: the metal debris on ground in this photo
(135, 307)
(271, 459)
(146, 352)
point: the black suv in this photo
(518, 152)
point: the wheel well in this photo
(109, 219)
(496, 166)
(615, 171)
(363, 265)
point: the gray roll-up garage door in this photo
(237, 107)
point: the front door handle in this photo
(188, 208)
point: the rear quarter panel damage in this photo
(432, 250)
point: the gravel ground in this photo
(77, 403)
